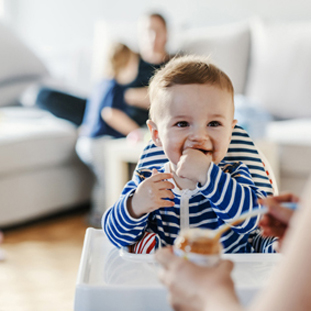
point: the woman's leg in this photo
(62, 105)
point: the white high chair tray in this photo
(110, 279)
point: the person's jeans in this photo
(62, 105)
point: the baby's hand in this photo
(194, 164)
(150, 194)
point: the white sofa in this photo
(270, 64)
(40, 173)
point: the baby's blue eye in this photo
(182, 124)
(214, 124)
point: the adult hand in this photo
(276, 221)
(151, 194)
(193, 287)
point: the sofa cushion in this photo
(227, 45)
(19, 67)
(31, 139)
(294, 140)
(280, 70)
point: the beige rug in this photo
(41, 265)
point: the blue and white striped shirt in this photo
(232, 189)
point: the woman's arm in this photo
(137, 97)
(118, 120)
(289, 286)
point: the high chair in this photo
(114, 279)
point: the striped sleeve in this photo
(120, 228)
(152, 155)
(232, 192)
(262, 244)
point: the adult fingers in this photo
(281, 214)
(164, 256)
(226, 265)
(278, 231)
(180, 303)
(272, 226)
(287, 197)
(275, 201)
(275, 208)
(270, 221)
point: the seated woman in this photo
(152, 55)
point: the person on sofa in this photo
(153, 54)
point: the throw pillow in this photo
(280, 71)
(226, 45)
(19, 67)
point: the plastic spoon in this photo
(216, 234)
(290, 205)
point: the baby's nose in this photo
(199, 134)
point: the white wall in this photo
(70, 22)
(56, 28)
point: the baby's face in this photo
(198, 116)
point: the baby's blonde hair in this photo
(188, 69)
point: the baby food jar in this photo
(199, 246)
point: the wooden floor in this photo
(41, 265)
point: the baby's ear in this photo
(154, 133)
(234, 123)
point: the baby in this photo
(191, 118)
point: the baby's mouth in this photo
(206, 152)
